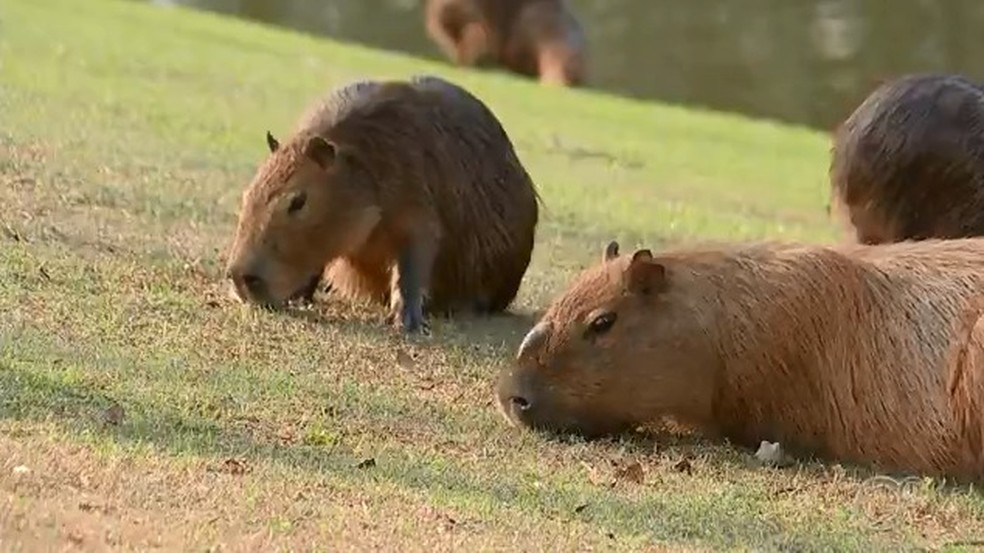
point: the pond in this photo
(801, 61)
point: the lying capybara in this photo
(908, 164)
(867, 354)
(406, 192)
(536, 38)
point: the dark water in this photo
(803, 61)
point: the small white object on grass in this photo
(21, 469)
(771, 453)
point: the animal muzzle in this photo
(250, 287)
(526, 404)
(249, 283)
(519, 401)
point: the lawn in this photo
(141, 409)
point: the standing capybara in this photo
(909, 162)
(868, 354)
(536, 38)
(406, 192)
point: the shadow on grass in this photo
(725, 521)
(483, 332)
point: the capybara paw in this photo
(412, 321)
(408, 321)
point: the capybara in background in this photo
(865, 354)
(537, 38)
(908, 164)
(406, 192)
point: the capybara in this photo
(536, 38)
(855, 353)
(908, 164)
(406, 192)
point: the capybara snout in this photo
(581, 368)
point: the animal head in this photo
(862, 220)
(621, 347)
(308, 203)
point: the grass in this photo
(139, 409)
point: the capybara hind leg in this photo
(457, 32)
(445, 33)
(473, 46)
(557, 66)
(411, 286)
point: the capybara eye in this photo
(602, 323)
(296, 203)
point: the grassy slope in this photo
(126, 135)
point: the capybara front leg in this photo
(473, 46)
(411, 285)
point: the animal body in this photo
(866, 354)
(537, 38)
(408, 193)
(908, 163)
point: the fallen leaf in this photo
(113, 415)
(235, 467)
(632, 472)
(75, 537)
(783, 491)
(404, 360)
(286, 435)
(366, 463)
(595, 476)
(683, 465)
(448, 523)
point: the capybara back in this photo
(908, 163)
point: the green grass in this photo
(149, 411)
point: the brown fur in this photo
(536, 38)
(908, 164)
(869, 354)
(419, 170)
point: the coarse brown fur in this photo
(867, 354)
(536, 38)
(412, 195)
(908, 164)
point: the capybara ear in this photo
(272, 143)
(611, 251)
(533, 339)
(645, 275)
(320, 151)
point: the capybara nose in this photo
(519, 403)
(252, 283)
